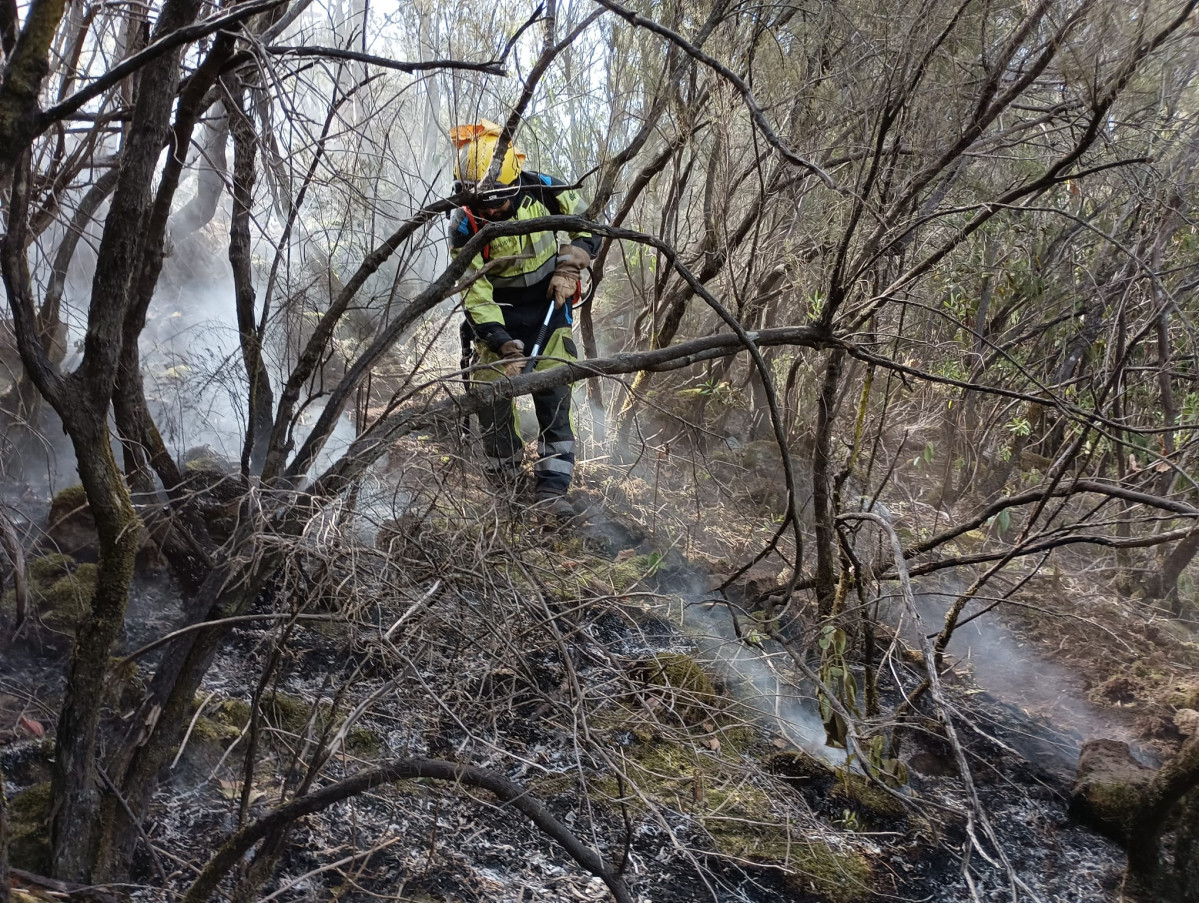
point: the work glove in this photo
(511, 354)
(571, 261)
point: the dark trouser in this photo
(504, 450)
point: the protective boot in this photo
(554, 505)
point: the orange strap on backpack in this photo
(474, 228)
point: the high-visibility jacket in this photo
(508, 295)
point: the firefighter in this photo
(514, 279)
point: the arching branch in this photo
(506, 791)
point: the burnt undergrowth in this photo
(571, 662)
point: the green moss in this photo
(29, 844)
(662, 772)
(231, 716)
(690, 691)
(289, 713)
(66, 501)
(1114, 802)
(206, 465)
(839, 875)
(738, 815)
(232, 713)
(211, 731)
(45, 570)
(66, 601)
(59, 597)
(624, 575)
(796, 765)
(858, 789)
(363, 742)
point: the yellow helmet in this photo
(476, 151)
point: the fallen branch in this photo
(1097, 487)
(62, 890)
(372, 443)
(232, 851)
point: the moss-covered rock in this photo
(796, 766)
(64, 603)
(29, 843)
(231, 716)
(232, 713)
(217, 490)
(47, 569)
(849, 791)
(205, 457)
(1109, 787)
(1186, 850)
(221, 723)
(60, 591)
(68, 501)
(290, 713)
(209, 730)
(1183, 695)
(363, 742)
(286, 713)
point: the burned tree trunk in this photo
(83, 400)
(261, 403)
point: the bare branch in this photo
(732, 78)
(166, 43)
(492, 67)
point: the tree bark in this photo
(822, 485)
(210, 181)
(1186, 850)
(158, 727)
(1172, 782)
(4, 833)
(76, 828)
(261, 403)
(1164, 584)
(24, 73)
(10, 545)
